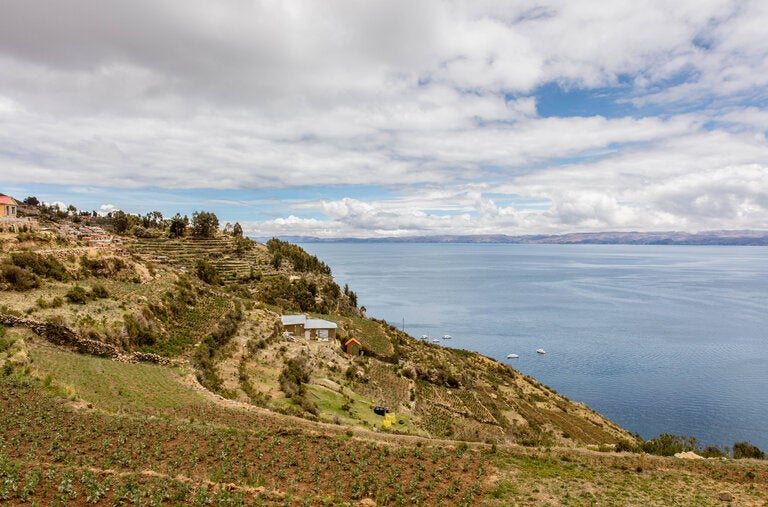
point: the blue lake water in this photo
(660, 339)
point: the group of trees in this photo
(301, 260)
(204, 224)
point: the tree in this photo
(31, 201)
(204, 224)
(153, 220)
(178, 226)
(119, 221)
(237, 230)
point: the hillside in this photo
(158, 369)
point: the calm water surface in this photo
(657, 338)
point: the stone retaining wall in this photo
(63, 335)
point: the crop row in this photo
(38, 428)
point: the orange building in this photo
(8, 206)
(353, 347)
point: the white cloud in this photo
(106, 209)
(431, 97)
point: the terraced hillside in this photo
(231, 263)
(230, 333)
(243, 413)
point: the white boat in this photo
(436, 340)
(512, 356)
(446, 337)
(424, 337)
(541, 351)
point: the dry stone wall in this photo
(63, 335)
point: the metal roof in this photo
(319, 324)
(290, 320)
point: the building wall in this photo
(8, 210)
(9, 224)
(295, 329)
(316, 333)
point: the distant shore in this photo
(733, 238)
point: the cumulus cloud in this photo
(106, 209)
(435, 103)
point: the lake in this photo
(660, 339)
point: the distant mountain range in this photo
(747, 238)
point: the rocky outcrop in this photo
(63, 335)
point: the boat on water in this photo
(541, 351)
(424, 337)
(446, 337)
(436, 340)
(512, 356)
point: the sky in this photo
(398, 118)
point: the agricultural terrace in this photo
(55, 454)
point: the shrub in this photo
(99, 292)
(747, 450)
(294, 375)
(207, 272)
(139, 328)
(667, 444)
(712, 451)
(42, 265)
(6, 342)
(77, 295)
(101, 267)
(626, 446)
(19, 279)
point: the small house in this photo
(310, 329)
(353, 347)
(10, 221)
(8, 206)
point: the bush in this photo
(207, 272)
(6, 343)
(667, 444)
(294, 375)
(101, 267)
(19, 279)
(747, 450)
(42, 265)
(77, 295)
(140, 329)
(99, 292)
(626, 446)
